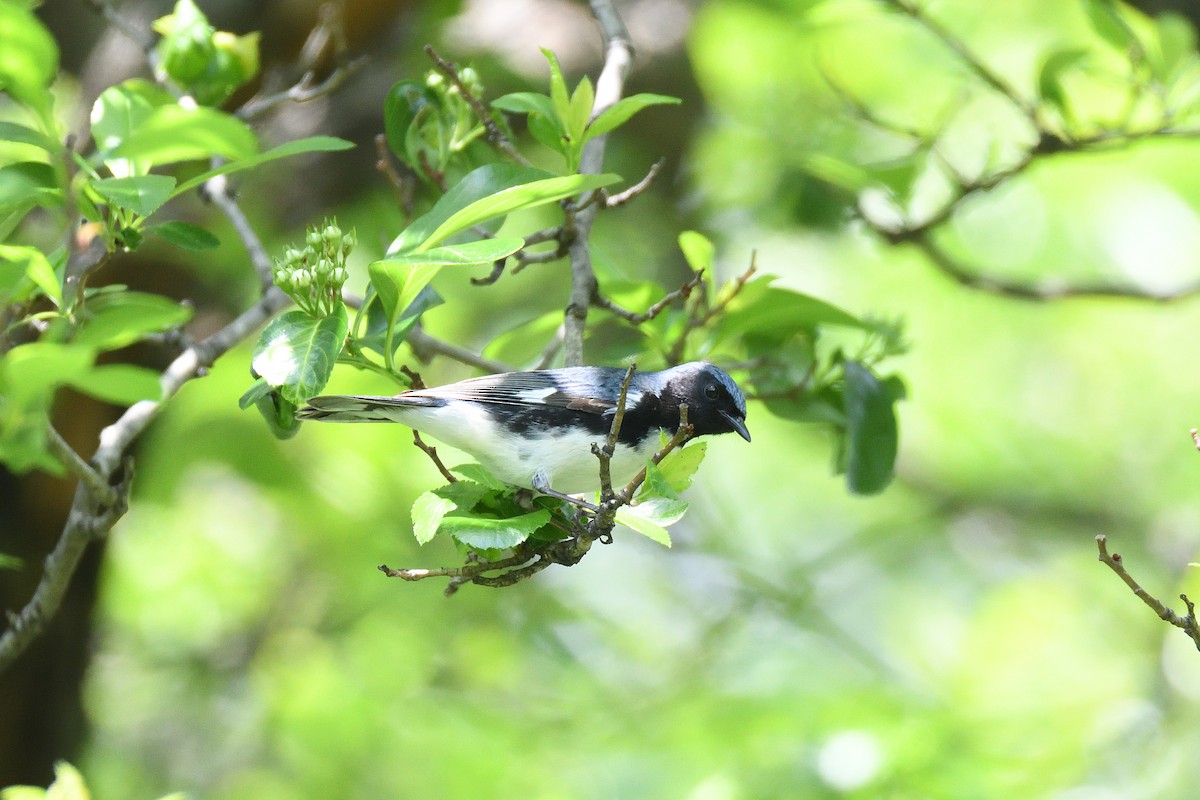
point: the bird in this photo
(535, 429)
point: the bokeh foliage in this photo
(954, 637)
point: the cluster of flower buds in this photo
(313, 276)
(469, 77)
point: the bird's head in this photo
(715, 403)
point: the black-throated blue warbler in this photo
(535, 429)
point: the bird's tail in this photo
(361, 408)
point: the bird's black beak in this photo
(737, 424)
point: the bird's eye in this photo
(710, 391)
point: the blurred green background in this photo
(953, 638)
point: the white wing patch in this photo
(536, 396)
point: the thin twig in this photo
(1187, 623)
(524, 259)
(701, 316)
(431, 451)
(401, 185)
(621, 198)
(604, 454)
(636, 317)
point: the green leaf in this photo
(21, 269)
(780, 312)
(404, 102)
(872, 433)
(841, 174)
(548, 131)
(119, 319)
(31, 372)
(581, 110)
(120, 110)
(494, 534)
(399, 280)
(526, 103)
(475, 185)
(278, 412)
(468, 254)
(380, 326)
(142, 194)
(12, 132)
(656, 506)
(257, 391)
(558, 89)
(476, 473)
(698, 250)
(1173, 46)
(296, 352)
(427, 513)
(679, 467)
(516, 198)
(900, 174)
(312, 144)
(26, 184)
(28, 56)
(185, 235)
(172, 133)
(1050, 86)
(119, 384)
(629, 517)
(398, 284)
(621, 111)
(1110, 24)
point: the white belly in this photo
(566, 460)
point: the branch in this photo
(90, 517)
(948, 266)
(424, 345)
(1186, 623)
(216, 191)
(96, 486)
(621, 198)
(144, 41)
(618, 57)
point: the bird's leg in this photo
(541, 484)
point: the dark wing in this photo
(585, 389)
